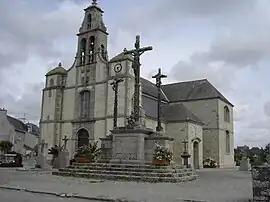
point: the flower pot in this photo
(82, 159)
(162, 162)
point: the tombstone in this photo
(245, 165)
(62, 160)
(41, 161)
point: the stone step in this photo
(145, 170)
(121, 172)
(127, 177)
(149, 166)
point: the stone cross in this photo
(158, 78)
(65, 142)
(136, 53)
(94, 2)
(115, 85)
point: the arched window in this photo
(103, 53)
(228, 145)
(51, 82)
(89, 21)
(226, 114)
(91, 49)
(85, 104)
(83, 138)
(82, 51)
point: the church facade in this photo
(78, 102)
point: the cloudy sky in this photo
(225, 41)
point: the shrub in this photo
(162, 153)
(209, 163)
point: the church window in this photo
(89, 21)
(51, 82)
(87, 79)
(85, 103)
(227, 141)
(82, 51)
(226, 114)
(91, 49)
(82, 80)
(50, 93)
(103, 54)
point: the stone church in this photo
(78, 102)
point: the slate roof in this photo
(18, 125)
(192, 90)
(169, 113)
(35, 129)
(149, 88)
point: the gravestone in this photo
(63, 159)
(41, 161)
(245, 165)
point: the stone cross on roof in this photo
(94, 2)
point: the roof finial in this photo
(59, 64)
(94, 2)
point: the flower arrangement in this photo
(209, 163)
(90, 151)
(162, 153)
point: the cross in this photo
(115, 85)
(136, 53)
(158, 78)
(94, 2)
(65, 142)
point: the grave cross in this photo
(136, 53)
(158, 78)
(115, 85)
(65, 142)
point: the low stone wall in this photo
(261, 183)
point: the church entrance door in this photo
(83, 138)
(196, 155)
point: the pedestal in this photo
(185, 157)
(128, 145)
(62, 160)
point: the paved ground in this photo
(16, 196)
(214, 185)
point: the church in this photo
(78, 102)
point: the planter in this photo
(162, 162)
(82, 159)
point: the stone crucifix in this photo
(158, 78)
(115, 85)
(136, 53)
(65, 143)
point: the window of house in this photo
(228, 146)
(85, 104)
(226, 114)
(51, 82)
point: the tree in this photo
(5, 146)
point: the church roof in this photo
(57, 70)
(192, 90)
(120, 57)
(149, 88)
(169, 112)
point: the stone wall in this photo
(261, 185)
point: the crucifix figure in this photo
(65, 142)
(158, 78)
(136, 53)
(115, 85)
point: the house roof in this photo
(18, 125)
(192, 90)
(35, 129)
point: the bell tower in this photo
(92, 41)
